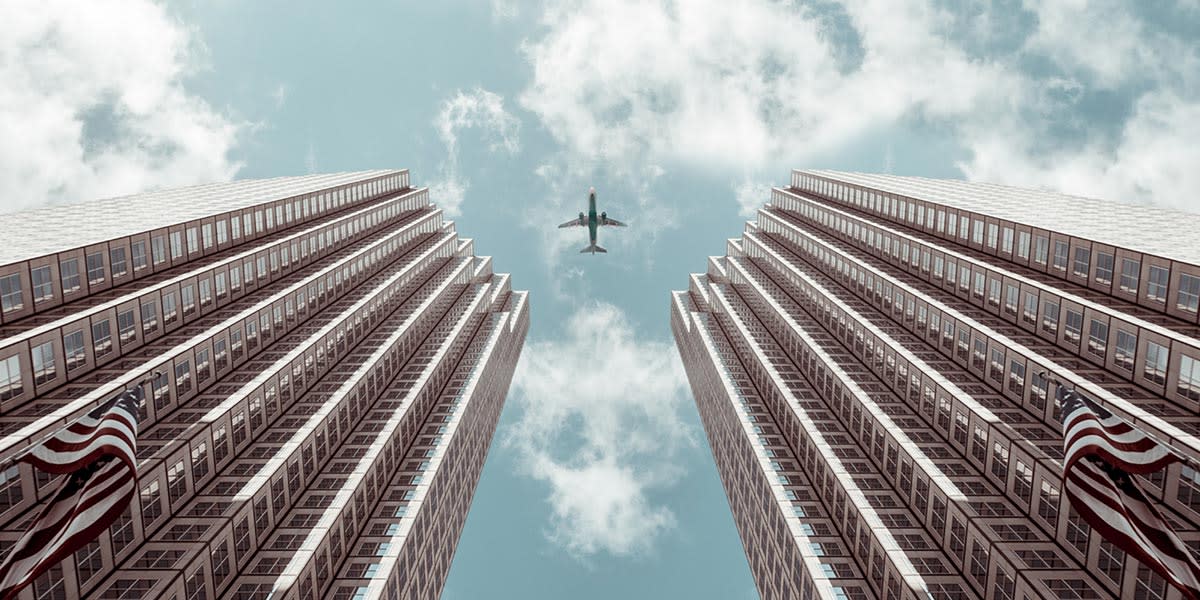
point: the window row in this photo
(100, 334)
(1112, 337)
(74, 274)
(1141, 278)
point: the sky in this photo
(682, 114)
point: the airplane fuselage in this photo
(593, 221)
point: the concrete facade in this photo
(334, 359)
(867, 362)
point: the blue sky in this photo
(600, 483)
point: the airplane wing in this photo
(612, 222)
(577, 222)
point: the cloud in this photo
(761, 85)
(1154, 160)
(475, 109)
(750, 196)
(747, 84)
(94, 104)
(480, 109)
(599, 423)
(448, 194)
(504, 10)
(1142, 150)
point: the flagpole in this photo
(17, 457)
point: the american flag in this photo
(100, 453)
(1101, 451)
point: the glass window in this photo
(69, 273)
(95, 268)
(1189, 292)
(1104, 268)
(43, 363)
(158, 249)
(977, 232)
(1048, 499)
(1029, 314)
(1155, 368)
(1041, 249)
(138, 251)
(1157, 284)
(43, 283)
(73, 349)
(207, 231)
(125, 326)
(1126, 347)
(101, 338)
(189, 299)
(1023, 244)
(170, 310)
(1074, 325)
(116, 259)
(1060, 255)
(1130, 273)
(193, 242)
(10, 293)
(1189, 378)
(1097, 338)
(149, 317)
(176, 245)
(992, 230)
(1006, 240)
(1083, 257)
(10, 378)
(1050, 317)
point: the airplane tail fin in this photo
(593, 248)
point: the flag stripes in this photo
(1090, 430)
(100, 453)
(1100, 451)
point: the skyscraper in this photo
(875, 362)
(333, 359)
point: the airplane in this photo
(592, 221)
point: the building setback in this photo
(333, 363)
(867, 363)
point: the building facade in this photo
(875, 359)
(332, 362)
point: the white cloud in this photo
(480, 109)
(448, 194)
(761, 85)
(751, 195)
(600, 424)
(476, 109)
(747, 84)
(1153, 162)
(504, 10)
(94, 104)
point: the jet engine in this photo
(603, 215)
